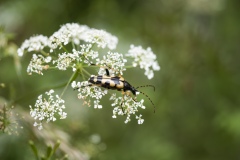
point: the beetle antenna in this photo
(146, 86)
(148, 99)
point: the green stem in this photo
(34, 149)
(56, 146)
(73, 77)
(64, 48)
(44, 53)
(81, 71)
(49, 152)
(73, 45)
(86, 72)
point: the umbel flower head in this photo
(146, 59)
(77, 47)
(47, 109)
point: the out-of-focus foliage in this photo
(197, 90)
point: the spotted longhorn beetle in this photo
(116, 83)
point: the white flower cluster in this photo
(70, 32)
(126, 106)
(47, 109)
(101, 38)
(66, 60)
(86, 92)
(38, 63)
(88, 53)
(114, 61)
(35, 43)
(86, 47)
(146, 59)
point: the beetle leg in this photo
(134, 98)
(123, 93)
(107, 71)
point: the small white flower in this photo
(75, 84)
(49, 93)
(47, 109)
(48, 59)
(35, 43)
(127, 119)
(96, 104)
(146, 59)
(140, 120)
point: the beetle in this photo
(112, 82)
(117, 83)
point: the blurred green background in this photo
(197, 43)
